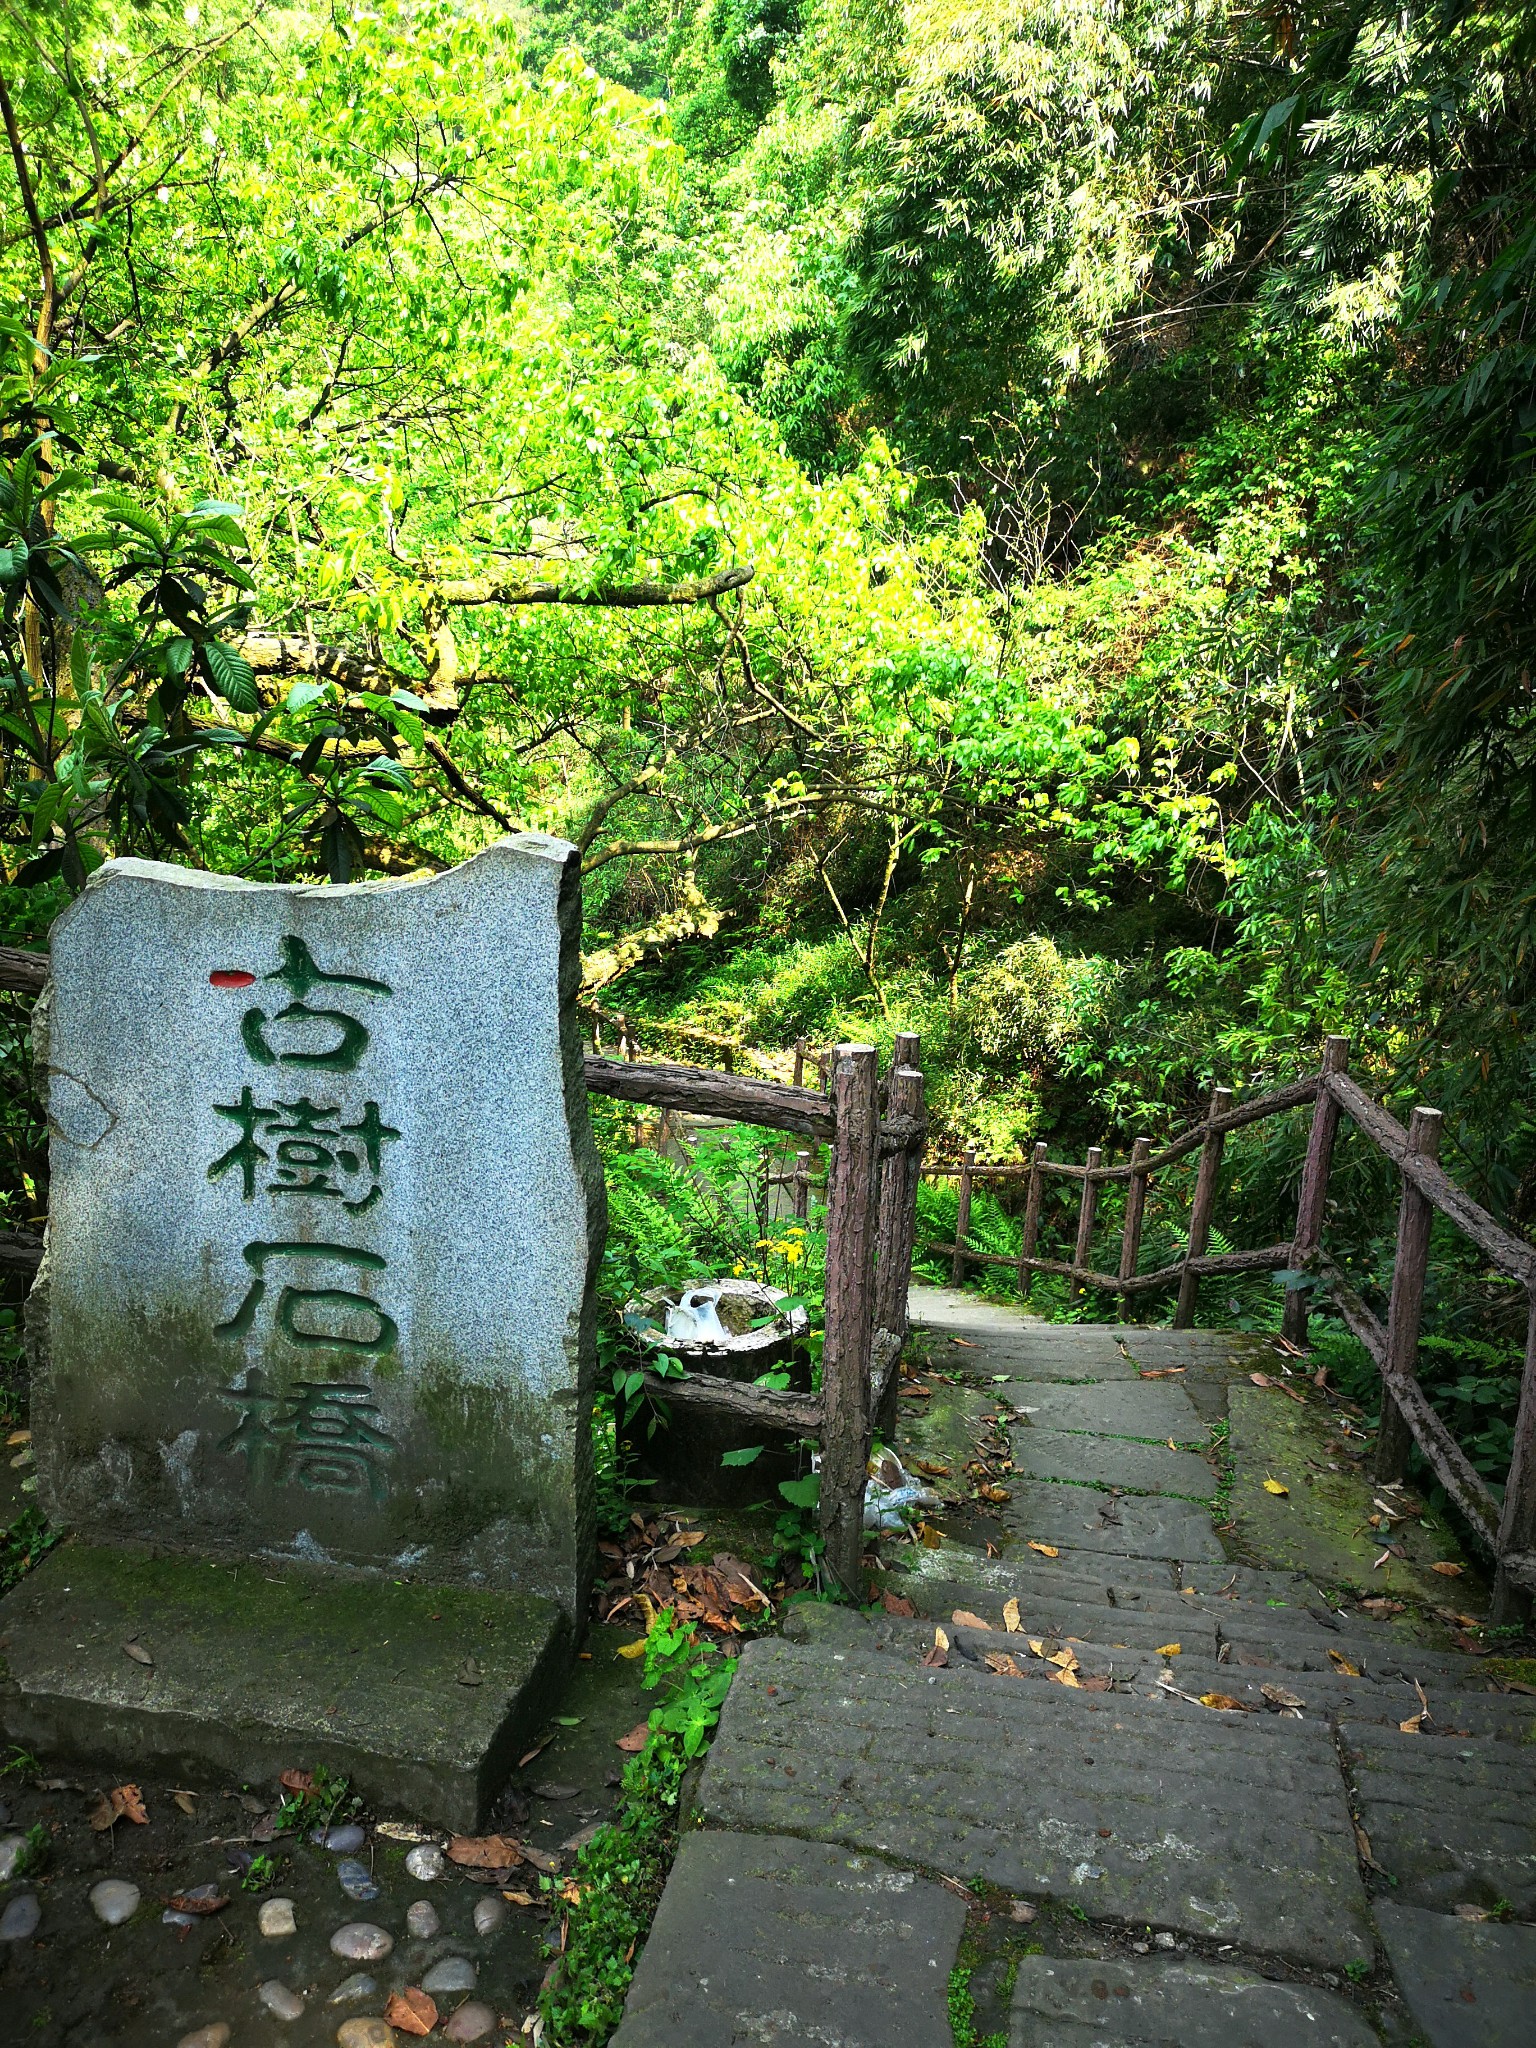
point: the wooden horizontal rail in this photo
(1296, 1096)
(1451, 1465)
(21, 972)
(701, 1091)
(1508, 1252)
(1268, 1258)
(761, 1406)
(20, 1251)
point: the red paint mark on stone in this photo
(231, 977)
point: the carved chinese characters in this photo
(324, 1217)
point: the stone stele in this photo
(324, 1223)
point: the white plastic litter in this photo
(892, 1493)
(696, 1319)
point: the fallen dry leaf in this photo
(634, 1649)
(1023, 1913)
(931, 1471)
(994, 1493)
(1168, 1649)
(136, 1650)
(689, 1537)
(1001, 1662)
(1414, 1725)
(929, 1537)
(520, 1898)
(486, 1852)
(1262, 1379)
(1095, 1681)
(938, 1657)
(1225, 1702)
(1340, 1662)
(196, 1902)
(1067, 1659)
(18, 1436)
(1363, 1845)
(187, 1801)
(301, 1782)
(1278, 1696)
(1274, 1486)
(1037, 1644)
(540, 1859)
(897, 1603)
(1065, 1678)
(635, 1740)
(965, 1343)
(127, 1803)
(1380, 1606)
(1046, 1549)
(411, 2011)
(1447, 1570)
(1160, 1372)
(964, 1618)
(1011, 1620)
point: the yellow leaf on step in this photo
(634, 1649)
(1046, 1549)
(1168, 1649)
(963, 1618)
(1274, 1486)
(940, 1640)
(1224, 1703)
(1011, 1620)
(1340, 1662)
(1066, 1678)
(1067, 1659)
(1037, 1645)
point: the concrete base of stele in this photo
(423, 1696)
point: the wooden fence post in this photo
(799, 1061)
(962, 1217)
(1517, 1524)
(898, 1179)
(1087, 1208)
(802, 1185)
(1415, 1218)
(849, 1318)
(1201, 1209)
(1135, 1210)
(1312, 1198)
(1031, 1233)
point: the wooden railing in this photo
(1507, 1528)
(875, 1138)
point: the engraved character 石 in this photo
(301, 1311)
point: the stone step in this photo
(1451, 1822)
(1131, 1659)
(1467, 1984)
(1123, 1525)
(1111, 1462)
(764, 1939)
(1108, 1803)
(1081, 2003)
(1151, 1410)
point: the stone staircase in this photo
(1147, 1791)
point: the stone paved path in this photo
(1174, 1786)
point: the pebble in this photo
(276, 1917)
(1164, 1941)
(19, 1920)
(425, 1862)
(361, 1942)
(366, 2034)
(214, 2036)
(422, 1920)
(453, 1973)
(10, 1855)
(114, 1900)
(351, 1989)
(356, 1879)
(282, 2003)
(341, 1841)
(489, 1914)
(174, 1917)
(472, 2022)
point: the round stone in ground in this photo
(472, 2022)
(282, 2003)
(361, 1942)
(425, 1862)
(114, 1900)
(19, 1920)
(354, 1988)
(343, 1841)
(422, 1920)
(453, 1973)
(356, 1879)
(11, 1847)
(215, 2035)
(276, 1918)
(489, 1914)
(366, 2034)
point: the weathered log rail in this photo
(872, 1177)
(1507, 1528)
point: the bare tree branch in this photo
(619, 596)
